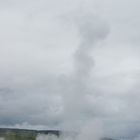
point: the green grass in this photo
(19, 136)
(22, 134)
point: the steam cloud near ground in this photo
(92, 130)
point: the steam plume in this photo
(91, 29)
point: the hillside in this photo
(24, 134)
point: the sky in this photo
(67, 64)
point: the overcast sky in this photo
(64, 64)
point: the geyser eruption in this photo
(91, 30)
(77, 111)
